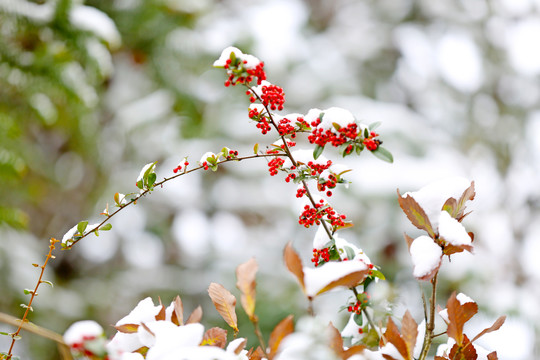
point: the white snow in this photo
(452, 231)
(426, 256)
(432, 197)
(315, 279)
(91, 19)
(144, 169)
(251, 61)
(337, 115)
(80, 330)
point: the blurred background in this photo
(91, 91)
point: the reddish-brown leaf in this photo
(415, 214)
(195, 316)
(161, 314)
(336, 341)
(458, 315)
(409, 332)
(440, 358)
(493, 356)
(349, 280)
(215, 337)
(225, 303)
(393, 336)
(245, 282)
(178, 311)
(258, 354)
(294, 264)
(463, 352)
(496, 326)
(451, 206)
(353, 350)
(450, 249)
(409, 241)
(240, 347)
(284, 328)
(127, 328)
(468, 194)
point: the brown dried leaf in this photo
(440, 358)
(245, 275)
(127, 328)
(178, 311)
(458, 315)
(284, 328)
(225, 303)
(415, 214)
(493, 356)
(294, 264)
(409, 332)
(215, 337)
(195, 316)
(496, 326)
(393, 336)
(349, 280)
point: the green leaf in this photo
(256, 148)
(47, 282)
(4, 333)
(24, 306)
(106, 227)
(336, 126)
(376, 273)
(318, 151)
(28, 292)
(82, 226)
(366, 133)
(358, 319)
(374, 125)
(151, 179)
(383, 154)
(350, 252)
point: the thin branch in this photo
(430, 325)
(15, 335)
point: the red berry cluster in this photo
(371, 143)
(274, 165)
(321, 136)
(262, 121)
(238, 74)
(285, 128)
(290, 177)
(317, 169)
(273, 96)
(329, 183)
(80, 349)
(301, 191)
(314, 215)
(319, 255)
(231, 155)
(179, 167)
(205, 165)
(358, 306)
